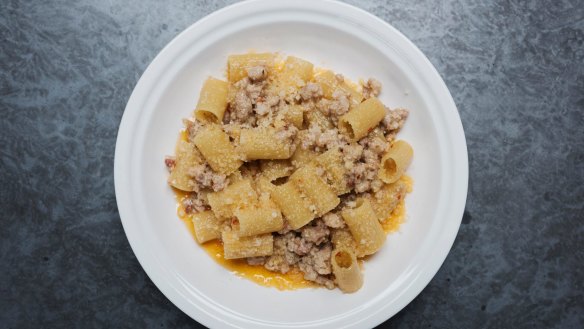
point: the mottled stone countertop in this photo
(514, 68)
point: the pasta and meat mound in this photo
(291, 168)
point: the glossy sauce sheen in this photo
(260, 275)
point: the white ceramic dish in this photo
(331, 35)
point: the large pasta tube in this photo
(237, 65)
(263, 217)
(364, 227)
(332, 163)
(313, 186)
(347, 273)
(295, 67)
(212, 101)
(238, 194)
(236, 246)
(263, 143)
(302, 156)
(395, 162)
(187, 156)
(207, 226)
(296, 208)
(342, 238)
(329, 83)
(294, 114)
(215, 146)
(360, 121)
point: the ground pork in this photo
(257, 73)
(311, 91)
(333, 220)
(309, 139)
(394, 121)
(363, 174)
(254, 91)
(352, 152)
(316, 139)
(339, 105)
(195, 202)
(317, 232)
(265, 106)
(170, 162)
(330, 139)
(362, 163)
(371, 88)
(282, 258)
(205, 177)
(241, 107)
(317, 264)
(299, 245)
(286, 132)
(373, 147)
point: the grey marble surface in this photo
(514, 68)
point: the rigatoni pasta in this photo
(212, 101)
(360, 121)
(238, 65)
(236, 246)
(364, 227)
(259, 218)
(297, 208)
(347, 273)
(207, 226)
(263, 143)
(292, 168)
(186, 157)
(215, 146)
(395, 162)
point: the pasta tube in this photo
(295, 67)
(358, 122)
(238, 194)
(235, 246)
(395, 162)
(312, 185)
(332, 163)
(329, 83)
(212, 101)
(347, 273)
(186, 157)
(237, 65)
(263, 143)
(207, 227)
(215, 146)
(364, 227)
(263, 217)
(385, 201)
(294, 114)
(294, 206)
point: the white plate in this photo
(331, 35)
